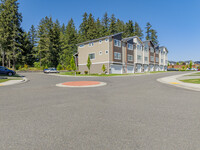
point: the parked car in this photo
(6, 71)
(51, 70)
(199, 69)
(172, 69)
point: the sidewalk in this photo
(12, 82)
(174, 80)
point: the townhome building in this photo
(138, 54)
(150, 47)
(156, 61)
(103, 51)
(128, 55)
(163, 58)
(121, 55)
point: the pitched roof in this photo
(99, 38)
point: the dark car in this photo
(51, 70)
(172, 69)
(6, 71)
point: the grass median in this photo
(194, 81)
(195, 74)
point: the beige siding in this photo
(95, 68)
(96, 48)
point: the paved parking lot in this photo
(129, 113)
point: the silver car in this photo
(51, 70)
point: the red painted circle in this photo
(81, 83)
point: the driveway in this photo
(130, 113)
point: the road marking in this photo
(174, 83)
(1, 84)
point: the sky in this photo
(176, 21)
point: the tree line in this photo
(51, 44)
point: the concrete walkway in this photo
(175, 81)
(12, 82)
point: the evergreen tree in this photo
(154, 37)
(44, 43)
(105, 24)
(89, 63)
(72, 64)
(112, 28)
(99, 28)
(120, 26)
(83, 29)
(10, 26)
(92, 29)
(55, 44)
(138, 31)
(69, 41)
(148, 31)
(129, 29)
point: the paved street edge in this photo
(173, 80)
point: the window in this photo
(139, 57)
(157, 52)
(92, 56)
(100, 41)
(146, 48)
(130, 46)
(152, 58)
(117, 55)
(152, 50)
(146, 59)
(91, 44)
(161, 60)
(130, 57)
(106, 51)
(107, 40)
(100, 53)
(157, 59)
(81, 46)
(117, 43)
(139, 47)
(166, 62)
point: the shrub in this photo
(78, 72)
(59, 67)
(37, 65)
(86, 72)
(68, 68)
(44, 67)
(26, 66)
(20, 68)
(104, 68)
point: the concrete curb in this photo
(14, 82)
(173, 80)
(90, 86)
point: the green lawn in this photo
(4, 80)
(195, 81)
(195, 74)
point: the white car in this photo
(51, 70)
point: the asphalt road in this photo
(130, 113)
